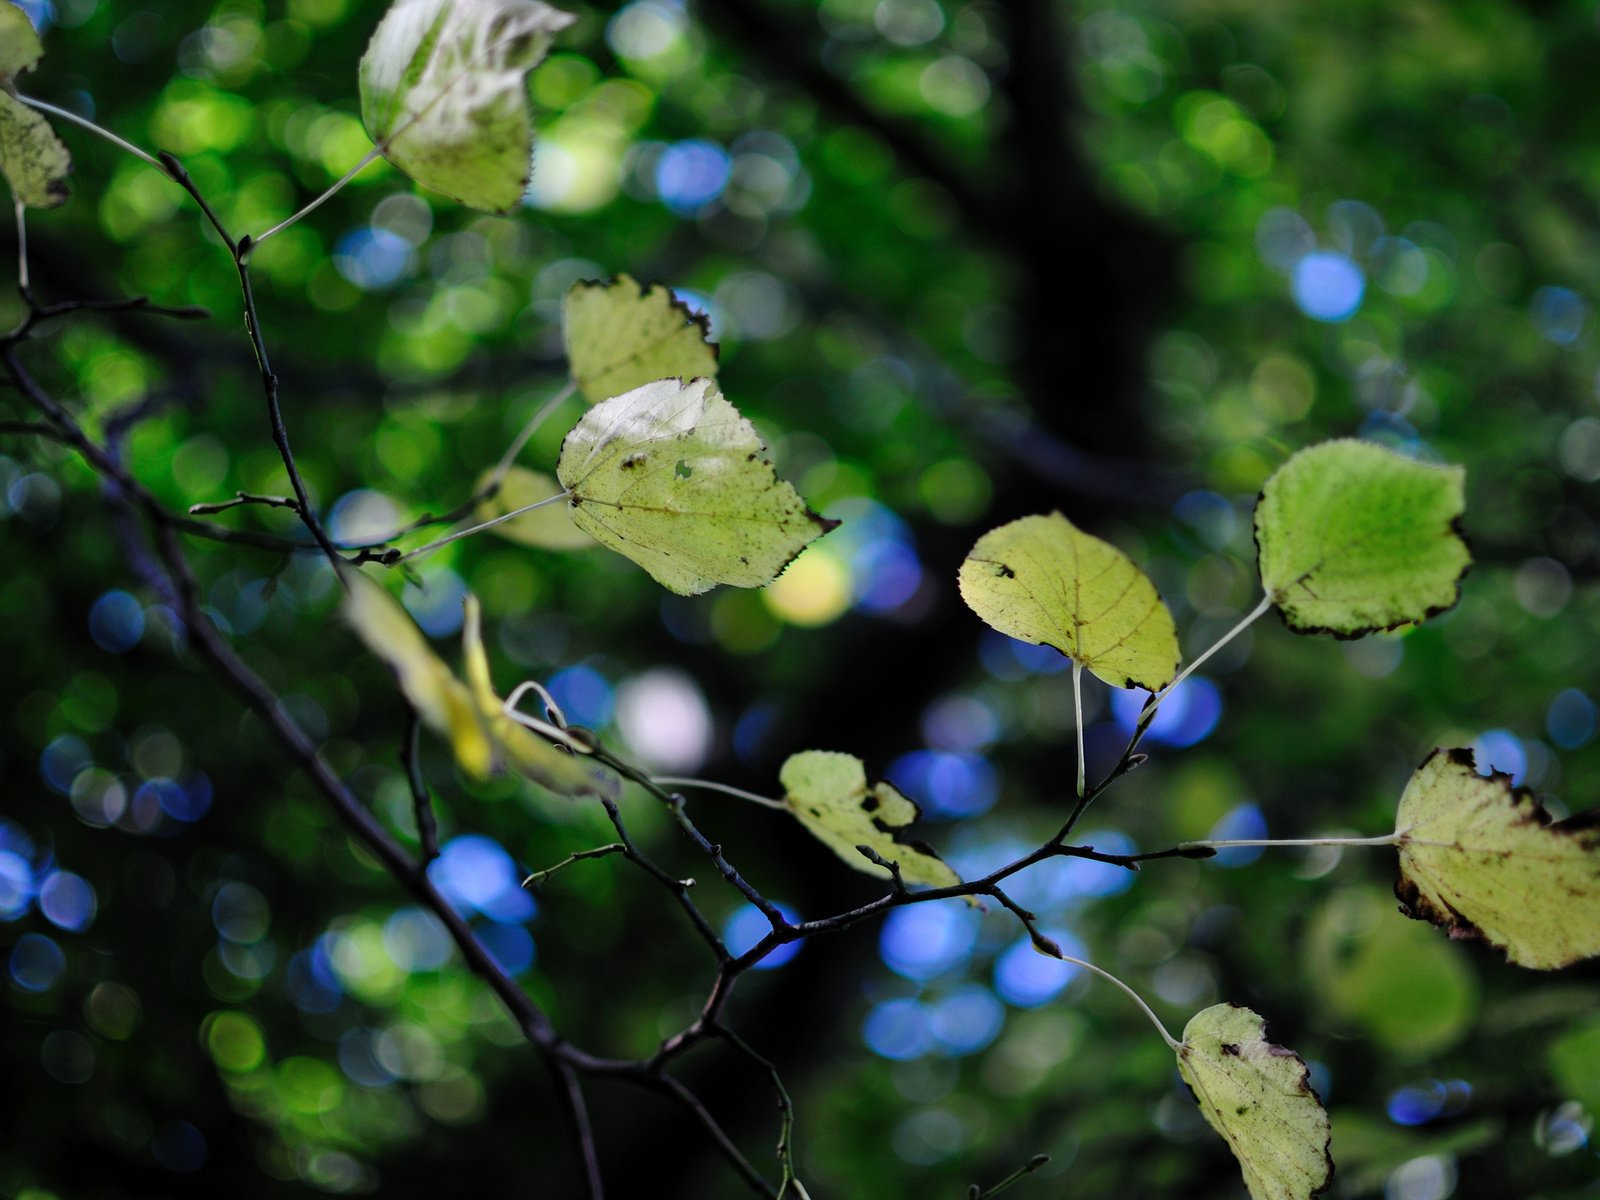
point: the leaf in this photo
(671, 476)
(828, 794)
(32, 157)
(20, 47)
(620, 335)
(1045, 581)
(433, 692)
(517, 747)
(1258, 1096)
(485, 741)
(444, 93)
(1482, 859)
(1353, 538)
(548, 528)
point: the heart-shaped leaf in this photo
(620, 335)
(444, 93)
(671, 476)
(32, 158)
(828, 794)
(1258, 1096)
(1353, 538)
(1045, 581)
(1482, 859)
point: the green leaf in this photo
(32, 158)
(1045, 581)
(1572, 1058)
(444, 93)
(547, 528)
(1410, 993)
(828, 794)
(671, 476)
(20, 47)
(1482, 859)
(620, 335)
(1353, 538)
(1258, 1096)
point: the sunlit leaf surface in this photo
(828, 793)
(671, 476)
(620, 335)
(1043, 580)
(1258, 1096)
(1481, 859)
(1354, 538)
(444, 96)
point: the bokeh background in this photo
(966, 261)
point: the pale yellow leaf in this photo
(1258, 1096)
(444, 93)
(828, 793)
(434, 693)
(671, 476)
(620, 335)
(517, 747)
(1043, 580)
(1481, 858)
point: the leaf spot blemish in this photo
(683, 470)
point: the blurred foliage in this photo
(966, 261)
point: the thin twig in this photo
(421, 802)
(497, 476)
(86, 123)
(1077, 708)
(22, 249)
(578, 1109)
(1249, 619)
(678, 887)
(719, 1137)
(478, 528)
(1021, 1173)
(366, 160)
(725, 789)
(576, 856)
(243, 498)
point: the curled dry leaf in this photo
(1482, 859)
(671, 476)
(828, 794)
(620, 335)
(469, 715)
(444, 93)
(1352, 538)
(1258, 1096)
(1045, 581)
(32, 158)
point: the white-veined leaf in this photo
(671, 476)
(444, 93)
(1045, 581)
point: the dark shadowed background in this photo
(966, 261)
